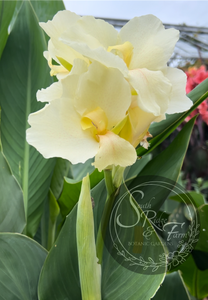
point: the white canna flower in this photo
(112, 86)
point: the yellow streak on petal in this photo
(124, 50)
(119, 126)
(65, 63)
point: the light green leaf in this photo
(162, 130)
(89, 269)
(195, 280)
(23, 72)
(21, 261)
(12, 213)
(172, 288)
(198, 199)
(7, 9)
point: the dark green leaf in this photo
(60, 276)
(6, 12)
(195, 280)
(23, 72)
(172, 288)
(12, 213)
(167, 164)
(21, 261)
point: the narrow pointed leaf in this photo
(6, 12)
(60, 273)
(172, 288)
(89, 269)
(167, 164)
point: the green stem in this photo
(112, 192)
(109, 181)
(51, 234)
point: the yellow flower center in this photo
(124, 51)
(95, 120)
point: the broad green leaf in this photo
(71, 191)
(119, 281)
(21, 261)
(82, 169)
(195, 280)
(167, 164)
(12, 213)
(89, 269)
(60, 273)
(172, 288)
(23, 72)
(136, 168)
(6, 12)
(45, 10)
(162, 130)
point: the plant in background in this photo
(103, 215)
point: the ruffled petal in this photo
(62, 21)
(179, 102)
(93, 32)
(54, 91)
(153, 44)
(114, 151)
(105, 88)
(56, 132)
(153, 90)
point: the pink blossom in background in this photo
(194, 77)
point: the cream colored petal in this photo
(56, 132)
(153, 90)
(99, 54)
(93, 32)
(62, 21)
(54, 91)
(179, 102)
(114, 151)
(105, 88)
(153, 44)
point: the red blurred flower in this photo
(194, 77)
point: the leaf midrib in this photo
(25, 180)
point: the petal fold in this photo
(153, 90)
(179, 102)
